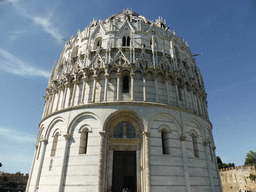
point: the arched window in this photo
(195, 146)
(99, 44)
(124, 41)
(164, 142)
(54, 144)
(83, 142)
(125, 84)
(128, 41)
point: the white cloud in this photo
(11, 64)
(44, 22)
(16, 136)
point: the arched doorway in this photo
(124, 151)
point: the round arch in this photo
(176, 122)
(79, 116)
(198, 125)
(124, 116)
(51, 125)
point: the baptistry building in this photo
(125, 106)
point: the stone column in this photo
(156, 87)
(106, 87)
(147, 163)
(118, 75)
(153, 50)
(144, 88)
(185, 95)
(44, 109)
(50, 103)
(40, 165)
(202, 104)
(206, 108)
(185, 164)
(84, 79)
(45, 105)
(75, 82)
(167, 90)
(133, 50)
(192, 99)
(177, 93)
(65, 95)
(64, 162)
(196, 102)
(208, 165)
(58, 100)
(101, 161)
(94, 87)
(132, 79)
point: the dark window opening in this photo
(128, 41)
(83, 142)
(125, 84)
(124, 41)
(195, 146)
(164, 143)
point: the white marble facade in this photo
(125, 84)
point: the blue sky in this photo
(30, 42)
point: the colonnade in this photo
(63, 95)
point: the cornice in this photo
(119, 103)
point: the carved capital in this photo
(132, 75)
(67, 136)
(61, 87)
(45, 141)
(205, 143)
(95, 77)
(85, 79)
(107, 76)
(118, 75)
(182, 137)
(166, 79)
(76, 82)
(146, 133)
(85, 69)
(184, 86)
(103, 133)
(67, 84)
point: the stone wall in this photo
(236, 178)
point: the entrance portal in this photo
(124, 171)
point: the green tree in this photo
(250, 159)
(219, 162)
